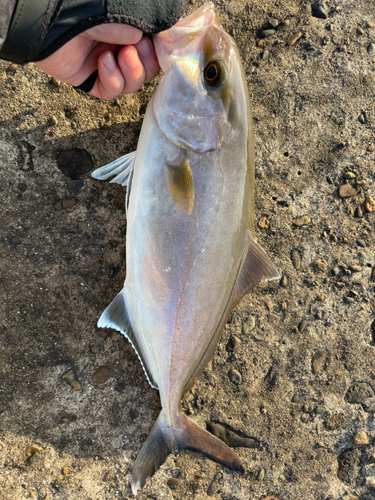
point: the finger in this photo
(110, 81)
(119, 34)
(131, 68)
(147, 56)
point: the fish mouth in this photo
(187, 31)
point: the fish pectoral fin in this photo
(184, 434)
(255, 267)
(120, 168)
(181, 185)
(116, 316)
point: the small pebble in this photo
(318, 10)
(371, 148)
(358, 212)
(371, 48)
(302, 221)
(250, 70)
(261, 475)
(349, 175)
(95, 348)
(235, 376)
(173, 483)
(362, 118)
(263, 223)
(319, 410)
(346, 191)
(72, 381)
(265, 55)
(284, 281)
(361, 183)
(294, 39)
(370, 204)
(68, 203)
(31, 450)
(65, 470)
(295, 257)
(320, 265)
(259, 336)
(318, 361)
(100, 375)
(283, 306)
(355, 269)
(267, 33)
(233, 343)
(360, 438)
(248, 325)
(336, 271)
(305, 417)
(273, 22)
(303, 325)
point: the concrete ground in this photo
(292, 381)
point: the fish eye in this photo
(215, 73)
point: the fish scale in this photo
(190, 253)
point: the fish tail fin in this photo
(189, 436)
(159, 444)
(165, 439)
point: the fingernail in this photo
(109, 61)
(144, 47)
(131, 59)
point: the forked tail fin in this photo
(184, 435)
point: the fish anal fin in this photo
(116, 316)
(181, 185)
(166, 438)
(255, 267)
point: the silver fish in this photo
(190, 253)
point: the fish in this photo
(190, 250)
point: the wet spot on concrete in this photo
(74, 163)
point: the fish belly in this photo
(181, 268)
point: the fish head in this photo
(193, 101)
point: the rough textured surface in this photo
(62, 262)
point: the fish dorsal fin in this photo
(116, 316)
(181, 185)
(255, 266)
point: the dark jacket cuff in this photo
(39, 28)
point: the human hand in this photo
(124, 60)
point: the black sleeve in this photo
(40, 27)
